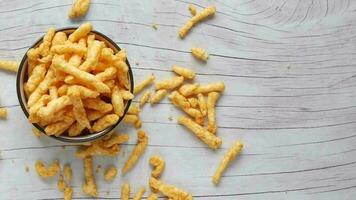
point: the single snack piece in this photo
(185, 72)
(61, 184)
(158, 96)
(139, 194)
(54, 106)
(79, 8)
(80, 32)
(208, 138)
(144, 83)
(108, 74)
(46, 172)
(211, 87)
(125, 191)
(228, 157)
(202, 104)
(179, 100)
(117, 102)
(11, 66)
(35, 79)
(89, 187)
(78, 108)
(200, 53)
(69, 48)
(59, 38)
(46, 42)
(144, 98)
(152, 196)
(209, 11)
(142, 141)
(116, 139)
(212, 99)
(188, 89)
(169, 191)
(170, 84)
(192, 10)
(97, 104)
(104, 122)
(158, 164)
(67, 172)
(42, 88)
(110, 173)
(3, 113)
(68, 193)
(92, 57)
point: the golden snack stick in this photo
(179, 100)
(126, 95)
(90, 39)
(208, 138)
(68, 193)
(121, 55)
(78, 108)
(144, 83)
(108, 74)
(104, 122)
(33, 55)
(87, 78)
(89, 187)
(139, 194)
(193, 102)
(94, 114)
(228, 157)
(130, 119)
(97, 148)
(85, 92)
(211, 87)
(69, 48)
(152, 196)
(80, 32)
(188, 89)
(158, 96)
(209, 11)
(138, 124)
(59, 38)
(60, 127)
(79, 8)
(47, 41)
(134, 109)
(169, 191)
(3, 113)
(202, 104)
(67, 172)
(62, 90)
(11, 66)
(61, 184)
(111, 84)
(110, 173)
(75, 129)
(117, 102)
(54, 106)
(116, 139)
(185, 72)
(212, 99)
(46, 172)
(39, 104)
(170, 84)
(93, 53)
(107, 54)
(192, 10)
(158, 165)
(125, 191)
(53, 92)
(142, 141)
(97, 104)
(144, 98)
(200, 53)
(123, 79)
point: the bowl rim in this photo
(76, 139)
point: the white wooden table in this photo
(289, 67)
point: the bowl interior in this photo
(22, 77)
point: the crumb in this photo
(63, 147)
(27, 169)
(155, 26)
(97, 169)
(137, 63)
(170, 118)
(107, 193)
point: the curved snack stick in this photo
(35, 79)
(104, 122)
(125, 191)
(202, 104)
(86, 78)
(54, 106)
(158, 165)
(97, 104)
(200, 53)
(142, 141)
(89, 187)
(11, 66)
(144, 98)
(211, 87)
(170, 84)
(208, 138)
(79, 8)
(212, 99)
(228, 157)
(67, 172)
(192, 10)
(185, 72)
(139, 194)
(110, 173)
(80, 32)
(47, 41)
(158, 96)
(3, 113)
(117, 102)
(169, 191)
(144, 83)
(46, 172)
(152, 196)
(209, 11)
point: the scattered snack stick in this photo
(130, 119)
(110, 173)
(3, 113)
(68, 193)
(158, 165)
(79, 8)
(99, 148)
(67, 172)
(144, 83)
(185, 72)
(11, 66)
(200, 53)
(209, 11)
(46, 172)
(202, 104)
(81, 32)
(170, 84)
(192, 10)
(212, 99)
(158, 96)
(179, 100)
(169, 191)
(228, 157)
(125, 191)
(116, 139)
(139, 194)
(207, 137)
(188, 89)
(152, 196)
(89, 187)
(61, 184)
(134, 109)
(211, 87)
(144, 98)
(142, 141)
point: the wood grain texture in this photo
(290, 97)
